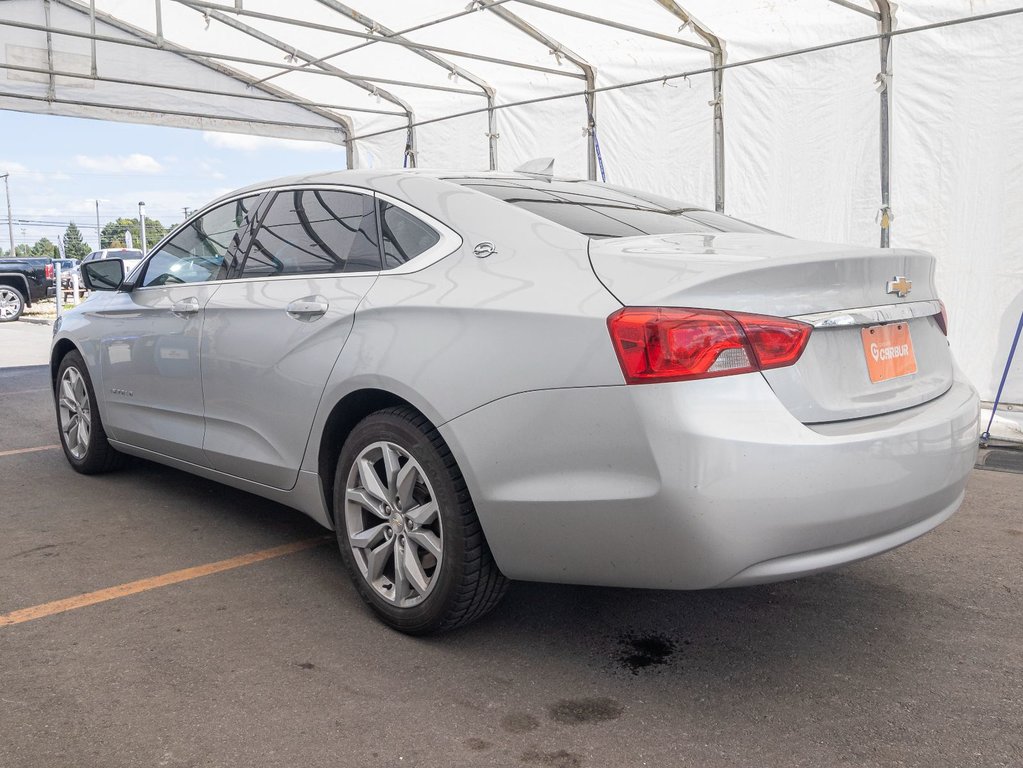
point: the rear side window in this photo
(404, 236)
(313, 231)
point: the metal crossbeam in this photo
(614, 24)
(472, 8)
(486, 90)
(405, 43)
(717, 53)
(558, 50)
(295, 101)
(410, 140)
(206, 57)
(143, 39)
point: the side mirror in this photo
(103, 275)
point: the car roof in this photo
(370, 177)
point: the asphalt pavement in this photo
(913, 658)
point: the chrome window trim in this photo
(871, 315)
(450, 241)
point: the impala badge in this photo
(484, 249)
(900, 286)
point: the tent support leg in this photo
(719, 132)
(52, 91)
(410, 143)
(885, 120)
(159, 24)
(591, 125)
(92, 32)
(492, 131)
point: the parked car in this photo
(22, 282)
(480, 377)
(68, 269)
(131, 257)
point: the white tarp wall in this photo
(801, 132)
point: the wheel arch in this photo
(19, 282)
(346, 413)
(60, 350)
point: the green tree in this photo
(112, 234)
(75, 246)
(44, 249)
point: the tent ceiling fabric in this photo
(794, 140)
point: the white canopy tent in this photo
(850, 120)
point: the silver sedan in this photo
(473, 378)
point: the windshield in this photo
(600, 210)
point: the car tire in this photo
(407, 528)
(12, 304)
(79, 424)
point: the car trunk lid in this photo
(843, 291)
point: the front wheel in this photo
(12, 304)
(81, 430)
(407, 528)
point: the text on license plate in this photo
(889, 351)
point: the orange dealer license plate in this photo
(889, 351)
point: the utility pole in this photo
(10, 221)
(185, 209)
(142, 225)
(99, 232)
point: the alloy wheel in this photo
(75, 412)
(393, 523)
(10, 304)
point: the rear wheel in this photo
(12, 304)
(407, 528)
(81, 430)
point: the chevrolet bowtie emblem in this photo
(900, 286)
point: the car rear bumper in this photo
(705, 483)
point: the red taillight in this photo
(942, 318)
(48, 271)
(670, 344)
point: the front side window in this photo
(196, 254)
(311, 231)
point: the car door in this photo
(150, 340)
(272, 335)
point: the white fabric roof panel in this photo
(801, 133)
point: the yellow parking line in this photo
(154, 582)
(28, 450)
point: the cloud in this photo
(248, 143)
(12, 167)
(133, 163)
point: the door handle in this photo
(308, 309)
(185, 307)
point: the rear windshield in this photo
(598, 210)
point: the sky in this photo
(59, 167)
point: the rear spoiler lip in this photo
(886, 313)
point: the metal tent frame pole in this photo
(558, 50)
(410, 135)
(452, 68)
(882, 14)
(370, 38)
(717, 54)
(884, 9)
(146, 40)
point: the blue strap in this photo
(986, 435)
(596, 149)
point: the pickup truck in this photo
(23, 281)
